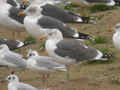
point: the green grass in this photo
(99, 8)
(114, 68)
(30, 38)
(115, 81)
(71, 6)
(99, 40)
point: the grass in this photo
(99, 40)
(115, 81)
(30, 38)
(71, 6)
(100, 8)
(114, 68)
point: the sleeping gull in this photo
(48, 8)
(106, 2)
(37, 24)
(15, 84)
(116, 36)
(43, 64)
(70, 51)
(15, 44)
(11, 59)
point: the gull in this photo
(49, 8)
(116, 36)
(15, 44)
(11, 59)
(15, 84)
(71, 51)
(9, 19)
(37, 24)
(43, 64)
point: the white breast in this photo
(116, 40)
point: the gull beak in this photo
(21, 13)
(43, 37)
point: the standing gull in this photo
(43, 64)
(71, 51)
(9, 19)
(37, 24)
(15, 84)
(48, 8)
(11, 59)
(116, 36)
(15, 44)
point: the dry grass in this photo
(86, 76)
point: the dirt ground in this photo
(85, 76)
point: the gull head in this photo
(117, 27)
(32, 53)
(12, 78)
(33, 10)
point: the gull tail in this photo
(83, 36)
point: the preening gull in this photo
(37, 24)
(116, 36)
(106, 2)
(15, 44)
(11, 59)
(43, 64)
(48, 8)
(71, 51)
(15, 84)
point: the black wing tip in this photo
(85, 36)
(117, 2)
(108, 56)
(26, 42)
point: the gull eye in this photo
(9, 78)
(13, 78)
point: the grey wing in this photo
(47, 62)
(52, 23)
(58, 13)
(15, 59)
(23, 86)
(75, 50)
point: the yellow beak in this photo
(43, 37)
(21, 13)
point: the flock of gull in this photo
(44, 20)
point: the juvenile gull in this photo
(37, 24)
(15, 44)
(71, 51)
(15, 84)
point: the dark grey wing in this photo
(75, 50)
(12, 44)
(58, 13)
(12, 2)
(23, 86)
(98, 1)
(13, 14)
(15, 59)
(52, 23)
